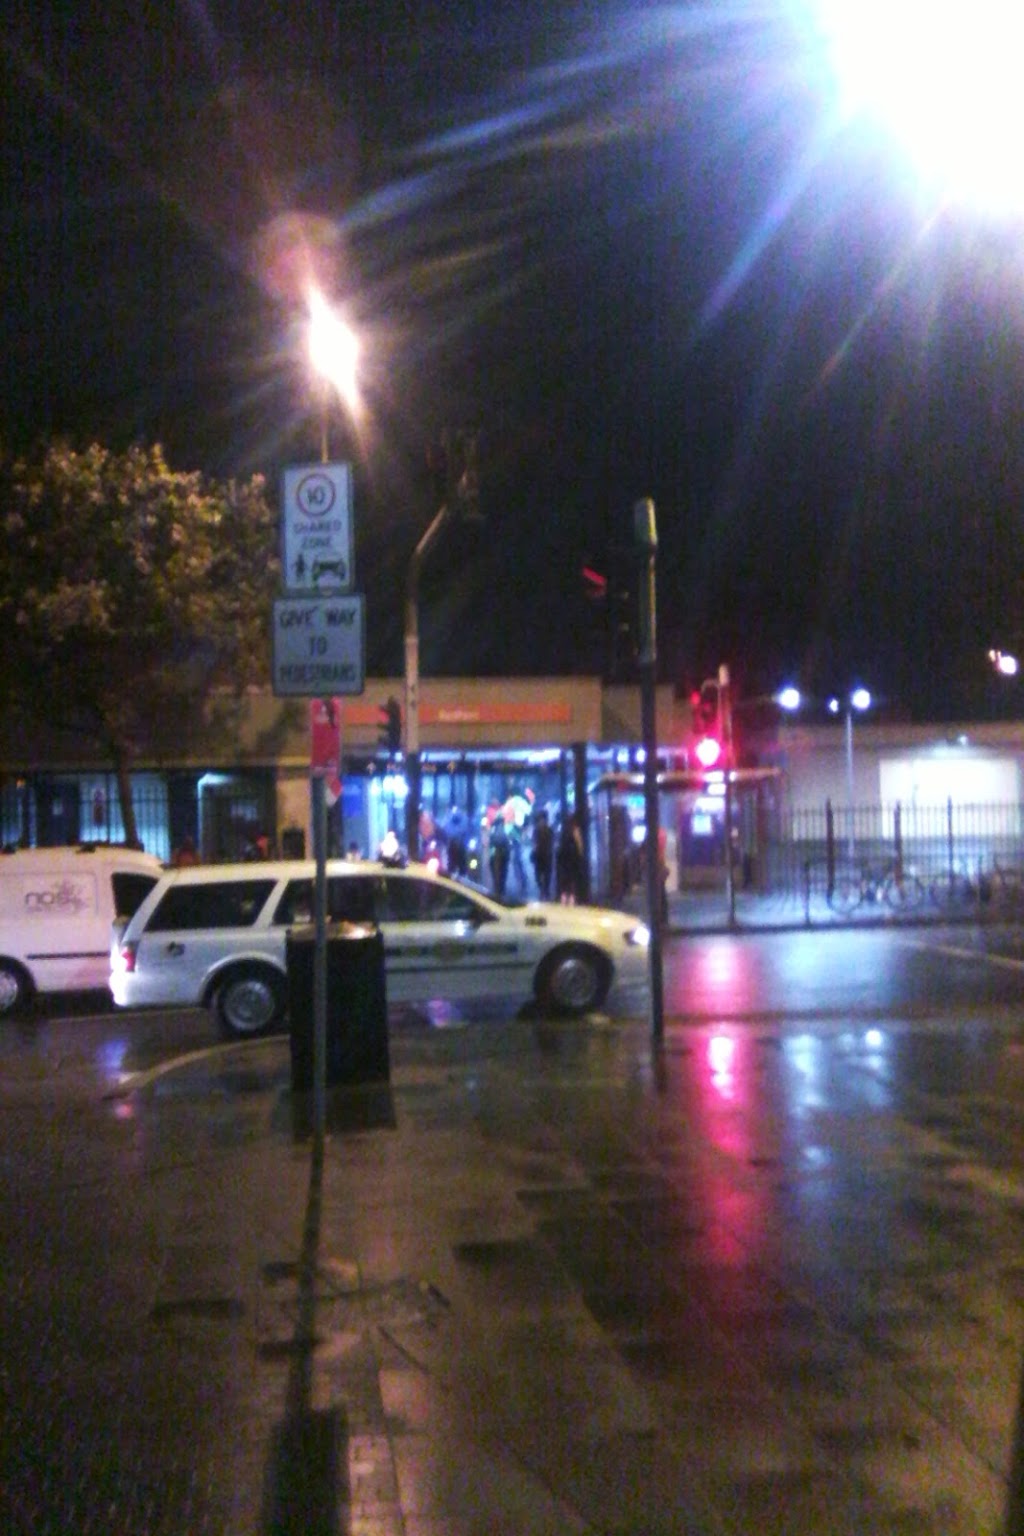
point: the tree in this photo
(130, 596)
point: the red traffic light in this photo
(389, 731)
(595, 585)
(708, 751)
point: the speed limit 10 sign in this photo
(316, 529)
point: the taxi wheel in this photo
(15, 989)
(573, 980)
(249, 1001)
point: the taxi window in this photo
(349, 899)
(296, 904)
(215, 904)
(408, 900)
(130, 891)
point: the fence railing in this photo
(888, 859)
(899, 859)
(224, 818)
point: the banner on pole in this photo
(325, 740)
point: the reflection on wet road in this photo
(807, 975)
(766, 1277)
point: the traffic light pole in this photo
(725, 723)
(645, 535)
(412, 678)
(459, 491)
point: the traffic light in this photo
(595, 586)
(389, 731)
(453, 465)
(708, 732)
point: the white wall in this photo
(915, 766)
(964, 776)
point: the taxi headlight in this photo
(638, 937)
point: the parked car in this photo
(216, 935)
(57, 906)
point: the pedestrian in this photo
(569, 862)
(456, 828)
(499, 855)
(542, 854)
(514, 834)
(663, 873)
(185, 854)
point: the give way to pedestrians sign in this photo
(319, 644)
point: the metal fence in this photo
(226, 817)
(813, 864)
(900, 860)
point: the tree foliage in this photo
(130, 594)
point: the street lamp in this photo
(943, 84)
(860, 700)
(334, 356)
(1004, 663)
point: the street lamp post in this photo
(860, 700)
(788, 699)
(334, 356)
(333, 353)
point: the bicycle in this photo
(1007, 885)
(900, 889)
(954, 890)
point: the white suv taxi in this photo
(215, 935)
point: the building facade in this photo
(565, 745)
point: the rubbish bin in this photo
(357, 1011)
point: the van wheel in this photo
(573, 980)
(15, 989)
(250, 1001)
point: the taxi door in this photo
(440, 942)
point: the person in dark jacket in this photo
(499, 856)
(569, 862)
(542, 854)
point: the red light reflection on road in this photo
(728, 1098)
(726, 1111)
(722, 1061)
(720, 977)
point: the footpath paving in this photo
(547, 1280)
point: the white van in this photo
(57, 909)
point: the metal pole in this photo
(325, 397)
(645, 535)
(1015, 1497)
(319, 798)
(849, 778)
(412, 679)
(725, 719)
(412, 727)
(730, 872)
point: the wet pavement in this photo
(766, 1279)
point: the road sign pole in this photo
(318, 648)
(319, 806)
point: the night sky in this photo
(626, 246)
